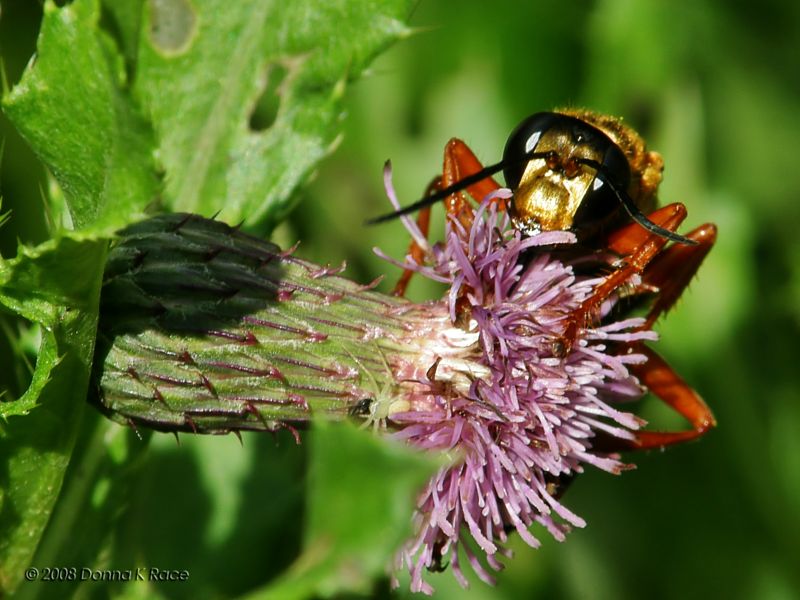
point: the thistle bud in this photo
(207, 329)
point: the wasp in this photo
(588, 173)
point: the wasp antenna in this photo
(638, 216)
(440, 194)
(456, 187)
(633, 211)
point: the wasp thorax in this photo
(561, 170)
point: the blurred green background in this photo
(714, 87)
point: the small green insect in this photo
(384, 400)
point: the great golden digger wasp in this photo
(590, 174)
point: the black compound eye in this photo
(522, 141)
(601, 201)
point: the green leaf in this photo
(56, 285)
(361, 494)
(200, 69)
(184, 100)
(105, 465)
(203, 66)
(72, 108)
(126, 17)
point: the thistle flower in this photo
(519, 418)
(206, 329)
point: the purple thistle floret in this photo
(516, 417)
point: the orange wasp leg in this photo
(459, 162)
(414, 249)
(637, 261)
(669, 272)
(667, 385)
(628, 238)
(673, 270)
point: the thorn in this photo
(274, 437)
(158, 396)
(208, 385)
(186, 217)
(190, 422)
(251, 408)
(372, 284)
(300, 401)
(294, 432)
(316, 336)
(138, 260)
(213, 253)
(230, 292)
(132, 425)
(289, 251)
(333, 297)
(276, 373)
(327, 270)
